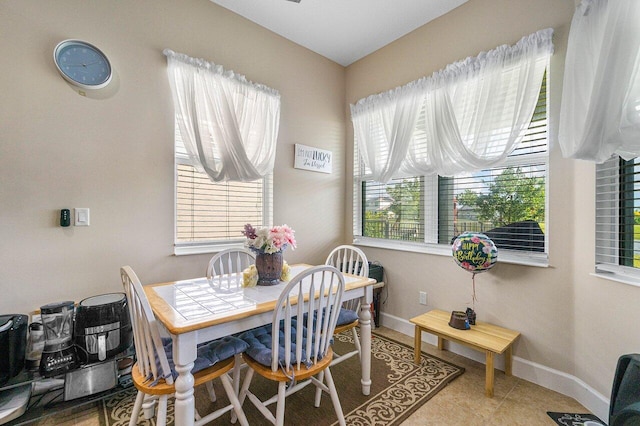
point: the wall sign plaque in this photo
(314, 159)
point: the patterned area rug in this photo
(573, 419)
(399, 388)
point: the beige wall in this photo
(569, 320)
(113, 152)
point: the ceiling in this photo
(341, 30)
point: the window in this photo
(425, 213)
(226, 127)
(618, 219)
(210, 216)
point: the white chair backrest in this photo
(318, 315)
(349, 259)
(146, 335)
(228, 263)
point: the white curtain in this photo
(600, 112)
(467, 117)
(384, 128)
(229, 125)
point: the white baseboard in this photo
(530, 371)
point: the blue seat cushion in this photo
(260, 343)
(346, 316)
(209, 353)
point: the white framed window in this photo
(618, 220)
(210, 216)
(425, 213)
(226, 129)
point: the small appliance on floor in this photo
(58, 354)
(102, 330)
(102, 327)
(13, 345)
(13, 342)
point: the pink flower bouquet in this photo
(269, 240)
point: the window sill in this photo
(540, 260)
(614, 274)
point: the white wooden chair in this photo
(152, 373)
(271, 351)
(227, 264)
(350, 260)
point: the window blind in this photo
(618, 215)
(507, 203)
(208, 212)
(394, 211)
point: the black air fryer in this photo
(102, 327)
(13, 345)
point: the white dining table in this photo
(199, 310)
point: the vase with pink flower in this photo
(269, 245)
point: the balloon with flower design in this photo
(475, 253)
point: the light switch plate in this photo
(81, 216)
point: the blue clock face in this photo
(82, 64)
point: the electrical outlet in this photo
(423, 297)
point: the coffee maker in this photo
(58, 354)
(13, 341)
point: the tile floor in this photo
(462, 402)
(516, 402)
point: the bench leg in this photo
(417, 345)
(488, 385)
(508, 361)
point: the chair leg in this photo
(211, 391)
(233, 398)
(136, 409)
(149, 407)
(334, 398)
(161, 420)
(236, 373)
(245, 386)
(318, 390)
(356, 342)
(236, 381)
(282, 389)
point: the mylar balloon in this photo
(474, 252)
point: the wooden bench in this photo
(483, 337)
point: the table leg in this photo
(440, 343)
(508, 361)
(488, 385)
(417, 345)
(184, 354)
(364, 321)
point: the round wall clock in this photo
(82, 64)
